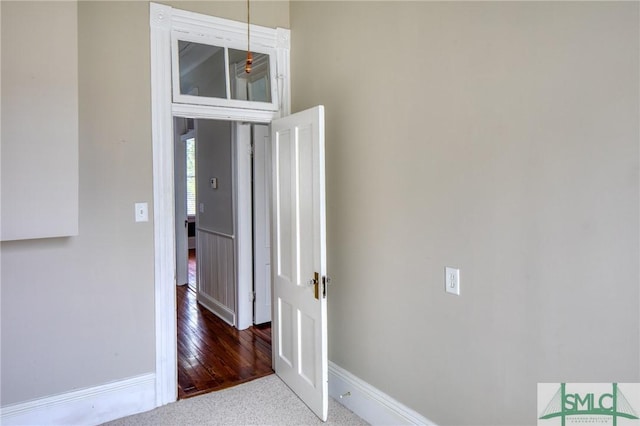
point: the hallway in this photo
(211, 354)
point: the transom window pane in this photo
(254, 86)
(202, 70)
(216, 75)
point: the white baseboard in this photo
(100, 404)
(217, 308)
(91, 406)
(369, 403)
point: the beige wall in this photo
(501, 138)
(79, 312)
(534, 105)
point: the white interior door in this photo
(299, 326)
(262, 223)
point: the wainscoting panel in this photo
(216, 267)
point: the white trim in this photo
(90, 406)
(222, 113)
(222, 30)
(162, 20)
(368, 402)
(283, 67)
(163, 205)
(224, 33)
(224, 313)
(244, 231)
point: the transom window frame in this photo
(168, 23)
(226, 43)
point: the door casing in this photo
(262, 224)
(162, 20)
(181, 220)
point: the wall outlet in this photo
(452, 280)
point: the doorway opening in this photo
(168, 26)
(222, 244)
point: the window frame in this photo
(190, 136)
(230, 35)
(225, 44)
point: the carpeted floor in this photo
(265, 401)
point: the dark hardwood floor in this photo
(213, 355)
(192, 268)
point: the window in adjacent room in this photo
(191, 176)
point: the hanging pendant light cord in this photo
(247, 67)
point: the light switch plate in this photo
(452, 280)
(142, 212)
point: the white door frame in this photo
(163, 20)
(243, 225)
(262, 189)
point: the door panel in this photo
(299, 250)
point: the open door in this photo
(299, 325)
(180, 184)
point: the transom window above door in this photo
(205, 73)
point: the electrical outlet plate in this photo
(452, 280)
